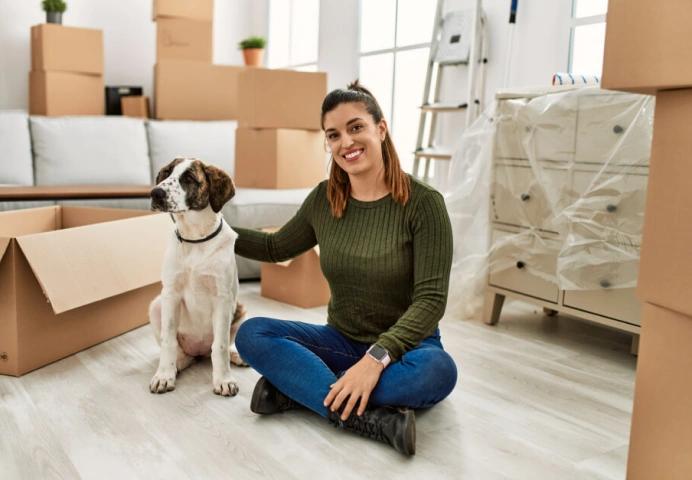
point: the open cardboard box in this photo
(71, 277)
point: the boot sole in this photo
(410, 434)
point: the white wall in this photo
(129, 39)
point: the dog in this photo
(197, 313)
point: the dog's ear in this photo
(221, 188)
(165, 172)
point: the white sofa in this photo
(110, 150)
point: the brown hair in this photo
(338, 185)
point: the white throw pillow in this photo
(211, 142)
(15, 159)
(90, 151)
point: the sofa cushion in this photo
(15, 161)
(211, 142)
(90, 150)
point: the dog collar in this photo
(201, 240)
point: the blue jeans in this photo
(302, 360)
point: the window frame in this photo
(295, 66)
(579, 22)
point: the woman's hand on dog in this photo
(356, 384)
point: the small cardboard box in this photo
(183, 39)
(66, 49)
(279, 158)
(185, 90)
(665, 271)
(281, 98)
(661, 435)
(298, 281)
(191, 9)
(135, 106)
(647, 46)
(71, 277)
(65, 93)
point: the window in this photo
(587, 35)
(293, 34)
(394, 44)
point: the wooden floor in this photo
(538, 398)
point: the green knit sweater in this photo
(387, 264)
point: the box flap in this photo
(83, 265)
(4, 242)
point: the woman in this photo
(386, 250)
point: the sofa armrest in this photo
(65, 192)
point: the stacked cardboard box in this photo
(66, 75)
(648, 51)
(279, 143)
(186, 84)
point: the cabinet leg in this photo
(492, 307)
(549, 312)
(634, 347)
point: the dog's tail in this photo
(239, 313)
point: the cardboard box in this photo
(183, 39)
(298, 282)
(279, 158)
(661, 436)
(665, 271)
(185, 90)
(647, 45)
(66, 49)
(192, 9)
(281, 98)
(66, 285)
(65, 93)
(115, 93)
(135, 106)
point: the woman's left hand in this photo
(357, 383)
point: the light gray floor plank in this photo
(537, 398)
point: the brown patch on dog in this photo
(194, 182)
(221, 188)
(166, 171)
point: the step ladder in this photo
(459, 40)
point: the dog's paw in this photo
(225, 386)
(163, 381)
(237, 360)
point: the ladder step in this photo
(432, 152)
(444, 107)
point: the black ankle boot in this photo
(394, 426)
(266, 399)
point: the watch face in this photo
(378, 352)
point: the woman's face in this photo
(354, 138)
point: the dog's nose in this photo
(158, 194)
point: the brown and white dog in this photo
(197, 313)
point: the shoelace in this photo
(364, 428)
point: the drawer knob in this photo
(611, 208)
(525, 197)
(605, 283)
(520, 264)
(618, 129)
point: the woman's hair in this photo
(338, 185)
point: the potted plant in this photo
(54, 10)
(253, 49)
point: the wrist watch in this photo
(380, 354)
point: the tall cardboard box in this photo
(66, 49)
(661, 438)
(647, 45)
(66, 285)
(281, 98)
(183, 39)
(298, 282)
(65, 93)
(279, 158)
(186, 90)
(191, 9)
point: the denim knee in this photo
(448, 373)
(248, 334)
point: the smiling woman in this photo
(386, 250)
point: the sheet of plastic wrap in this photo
(555, 183)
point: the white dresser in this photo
(568, 188)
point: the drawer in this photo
(519, 198)
(615, 129)
(541, 128)
(610, 203)
(586, 264)
(617, 303)
(524, 263)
